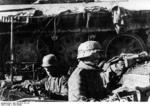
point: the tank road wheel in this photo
(124, 44)
(66, 47)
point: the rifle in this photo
(129, 59)
(139, 57)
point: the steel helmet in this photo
(88, 48)
(49, 60)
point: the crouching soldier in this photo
(55, 85)
(88, 82)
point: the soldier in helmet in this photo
(88, 82)
(55, 85)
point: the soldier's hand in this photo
(119, 66)
(31, 88)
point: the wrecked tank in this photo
(39, 29)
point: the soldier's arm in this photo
(112, 74)
(41, 82)
(64, 86)
(36, 85)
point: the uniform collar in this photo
(87, 66)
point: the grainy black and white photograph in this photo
(74, 51)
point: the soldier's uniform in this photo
(88, 82)
(55, 85)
